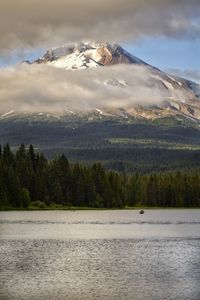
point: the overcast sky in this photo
(165, 33)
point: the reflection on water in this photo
(100, 255)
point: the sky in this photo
(163, 33)
(164, 53)
(167, 53)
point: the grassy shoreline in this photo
(65, 208)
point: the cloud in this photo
(26, 24)
(42, 88)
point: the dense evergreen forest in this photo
(29, 180)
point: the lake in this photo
(111, 254)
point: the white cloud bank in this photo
(38, 88)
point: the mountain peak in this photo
(180, 96)
(85, 55)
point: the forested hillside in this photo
(29, 180)
(119, 144)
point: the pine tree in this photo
(7, 156)
(32, 156)
(80, 192)
(25, 198)
(13, 188)
(90, 194)
(3, 191)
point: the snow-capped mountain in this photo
(179, 97)
(88, 55)
(182, 96)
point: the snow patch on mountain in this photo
(170, 77)
(88, 55)
(74, 61)
(7, 114)
(69, 111)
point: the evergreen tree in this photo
(27, 176)
(4, 202)
(90, 194)
(13, 188)
(32, 156)
(25, 198)
(7, 156)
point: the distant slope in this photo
(118, 143)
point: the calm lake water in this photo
(116, 254)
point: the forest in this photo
(29, 181)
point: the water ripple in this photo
(40, 222)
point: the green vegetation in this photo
(126, 145)
(153, 143)
(29, 180)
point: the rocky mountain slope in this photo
(88, 55)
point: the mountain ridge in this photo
(100, 54)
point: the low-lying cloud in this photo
(47, 23)
(43, 88)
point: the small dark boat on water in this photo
(141, 211)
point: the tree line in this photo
(28, 179)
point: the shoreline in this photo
(92, 209)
